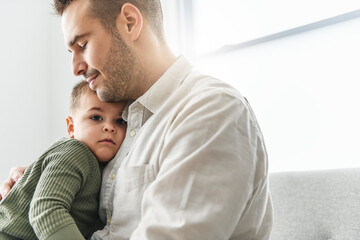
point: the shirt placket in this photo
(134, 124)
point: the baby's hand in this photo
(15, 174)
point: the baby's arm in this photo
(64, 174)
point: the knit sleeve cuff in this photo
(69, 232)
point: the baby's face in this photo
(99, 125)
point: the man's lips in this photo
(107, 140)
(92, 78)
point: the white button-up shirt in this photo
(193, 165)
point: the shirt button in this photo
(113, 176)
(132, 133)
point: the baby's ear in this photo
(70, 126)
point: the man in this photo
(193, 164)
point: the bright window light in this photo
(232, 22)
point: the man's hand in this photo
(15, 174)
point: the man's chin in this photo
(100, 96)
(104, 97)
(92, 87)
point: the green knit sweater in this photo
(57, 196)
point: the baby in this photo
(57, 197)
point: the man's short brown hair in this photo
(107, 11)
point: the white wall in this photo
(61, 80)
(35, 81)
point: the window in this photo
(296, 62)
(208, 25)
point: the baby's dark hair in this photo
(78, 91)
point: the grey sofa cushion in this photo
(316, 205)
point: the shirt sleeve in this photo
(63, 174)
(212, 171)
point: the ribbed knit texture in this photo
(59, 189)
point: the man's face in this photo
(99, 126)
(104, 59)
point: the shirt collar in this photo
(166, 85)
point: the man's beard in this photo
(120, 69)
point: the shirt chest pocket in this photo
(136, 177)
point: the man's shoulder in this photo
(201, 87)
(202, 83)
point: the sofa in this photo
(316, 205)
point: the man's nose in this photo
(78, 64)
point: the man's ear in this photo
(130, 21)
(70, 126)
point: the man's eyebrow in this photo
(75, 39)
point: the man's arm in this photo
(15, 174)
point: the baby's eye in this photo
(96, 118)
(120, 121)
